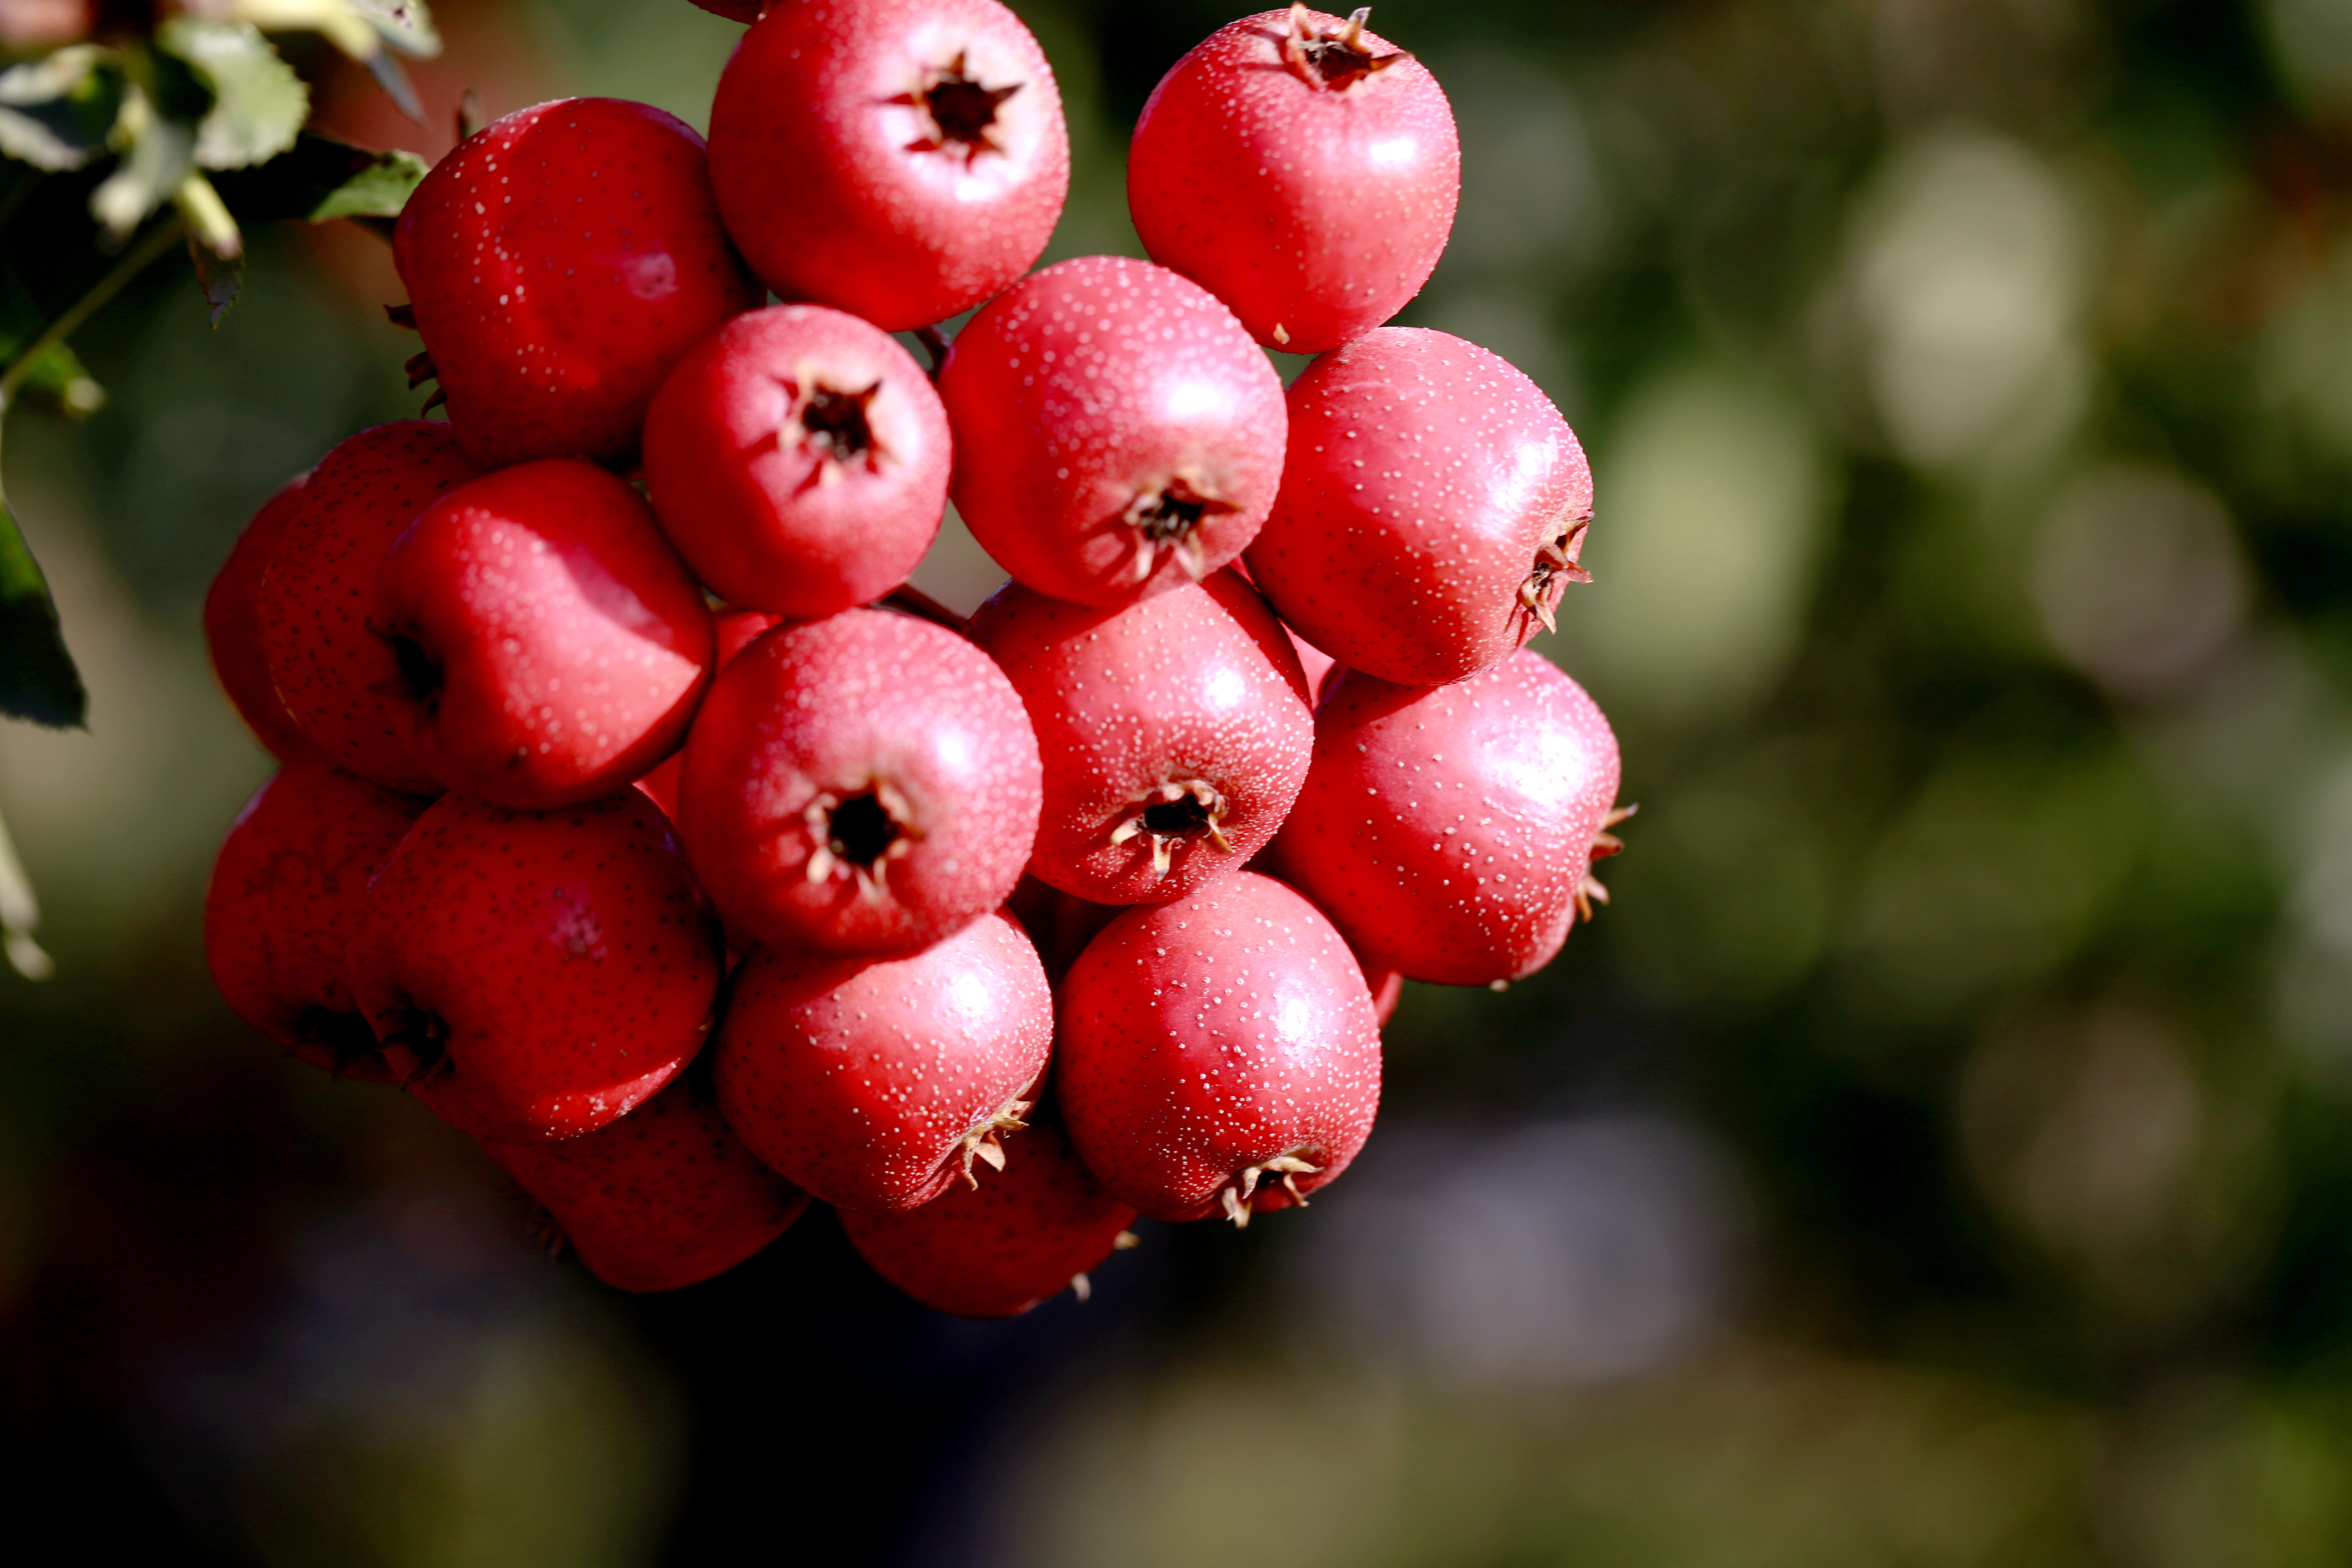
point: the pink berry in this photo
(799, 460)
(1433, 505)
(866, 784)
(1116, 432)
(1301, 168)
(663, 1198)
(338, 679)
(284, 898)
(552, 647)
(901, 160)
(735, 631)
(1219, 1054)
(535, 975)
(996, 1249)
(1175, 733)
(1451, 830)
(874, 1083)
(559, 262)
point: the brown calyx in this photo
(416, 1045)
(983, 1141)
(1168, 517)
(832, 423)
(1243, 1185)
(858, 835)
(1555, 568)
(1590, 891)
(1334, 60)
(963, 113)
(1173, 812)
(344, 1037)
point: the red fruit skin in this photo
(284, 898)
(828, 176)
(560, 261)
(1313, 663)
(762, 512)
(567, 645)
(1448, 830)
(1090, 388)
(233, 628)
(663, 1198)
(1424, 475)
(1201, 1038)
(536, 975)
(734, 630)
(865, 1079)
(1314, 212)
(1002, 1248)
(336, 676)
(831, 710)
(1196, 684)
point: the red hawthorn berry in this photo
(1174, 732)
(559, 262)
(799, 460)
(284, 899)
(734, 630)
(1117, 432)
(1218, 1055)
(233, 627)
(338, 679)
(999, 1249)
(552, 647)
(1433, 505)
(536, 975)
(1301, 168)
(874, 1083)
(664, 1197)
(1450, 831)
(901, 160)
(866, 784)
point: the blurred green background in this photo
(1938, 1154)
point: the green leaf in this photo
(38, 678)
(57, 114)
(162, 152)
(322, 178)
(258, 103)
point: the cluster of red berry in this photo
(538, 795)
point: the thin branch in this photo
(134, 261)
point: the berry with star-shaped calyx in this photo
(902, 160)
(1174, 731)
(799, 460)
(1303, 170)
(864, 783)
(876, 1083)
(1118, 434)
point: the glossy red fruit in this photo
(1451, 830)
(1116, 432)
(1175, 733)
(1301, 168)
(901, 160)
(664, 1197)
(1313, 663)
(874, 1083)
(799, 460)
(338, 679)
(552, 647)
(559, 262)
(284, 899)
(863, 785)
(734, 630)
(1218, 1055)
(536, 975)
(1433, 505)
(233, 627)
(1000, 1249)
